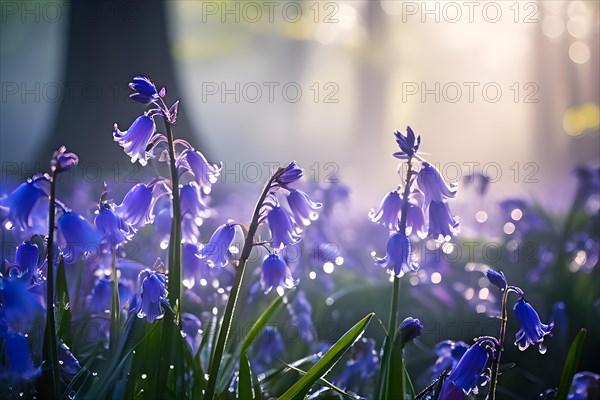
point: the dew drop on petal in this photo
(542, 348)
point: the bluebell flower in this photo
(465, 376)
(268, 347)
(191, 201)
(114, 228)
(100, 300)
(415, 220)
(441, 221)
(388, 212)
(448, 353)
(409, 330)
(398, 257)
(19, 303)
(291, 174)
(205, 174)
(136, 139)
(303, 208)
(191, 327)
(19, 356)
(145, 90)
(136, 208)
(149, 300)
(532, 330)
(17, 207)
(586, 385)
(301, 312)
(61, 160)
(78, 235)
(496, 278)
(276, 273)
(284, 231)
(362, 363)
(408, 144)
(216, 251)
(26, 258)
(432, 184)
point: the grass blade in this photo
(571, 364)
(301, 388)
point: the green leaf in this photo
(571, 364)
(244, 386)
(261, 322)
(63, 305)
(326, 383)
(303, 385)
(245, 390)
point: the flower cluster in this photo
(420, 207)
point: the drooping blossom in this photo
(284, 231)
(532, 330)
(216, 251)
(398, 258)
(18, 206)
(441, 222)
(388, 212)
(191, 201)
(275, 273)
(137, 206)
(114, 228)
(136, 139)
(205, 174)
(26, 258)
(467, 372)
(432, 184)
(151, 298)
(303, 208)
(78, 235)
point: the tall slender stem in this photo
(170, 351)
(175, 239)
(233, 295)
(393, 319)
(496, 365)
(115, 317)
(49, 349)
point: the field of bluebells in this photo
(158, 290)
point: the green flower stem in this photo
(51, 373)
(496, 365)
(174, 282)
(115, 315)
(393, 319)
(170, 352)
(233, 295)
